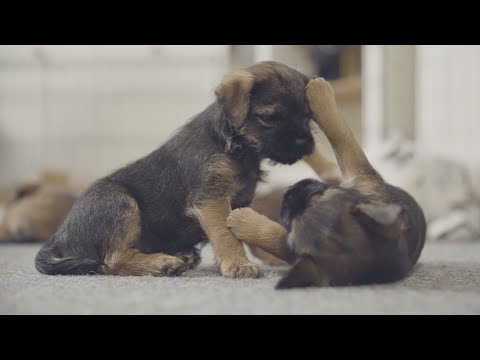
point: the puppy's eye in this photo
(266, 120)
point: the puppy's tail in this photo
(48, 263)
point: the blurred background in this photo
(71, 114)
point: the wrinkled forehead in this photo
(278, 87)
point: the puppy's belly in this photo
(172, 235)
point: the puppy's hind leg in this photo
(266, 257)
(350, 156)
(132, 262)
(123, 256)
(327, 170)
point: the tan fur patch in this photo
(350, 156)
(266, 257)
(133, 263)
(255, 229)
(233, 95)
(229, 252)
(223, 177)
(366, 184)
(221, 182)
(211, 209)
(127, 235)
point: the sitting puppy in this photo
(358, 231)
(145, 218)
(34, 212)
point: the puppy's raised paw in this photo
(321, 99)
(241, 221)
(320, 87)
(244, 269)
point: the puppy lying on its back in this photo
(358, 231)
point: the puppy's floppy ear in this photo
(296, 199)
(381, 214)
(233, 95)
(381, 219)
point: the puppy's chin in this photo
(290, 157)
(284, 160)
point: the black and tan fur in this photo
(146, 218)
(353, 230)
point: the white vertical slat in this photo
(372, 95)
(448, 105)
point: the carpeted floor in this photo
(446, 281)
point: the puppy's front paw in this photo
(321, 99)
(245, 269)
(241, 221)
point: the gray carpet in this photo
(446, 281)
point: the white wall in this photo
(91, 109)
(448, 102)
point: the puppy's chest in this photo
(244, 188)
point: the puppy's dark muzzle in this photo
(304, 145)
(301, 142)
(298, 148)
